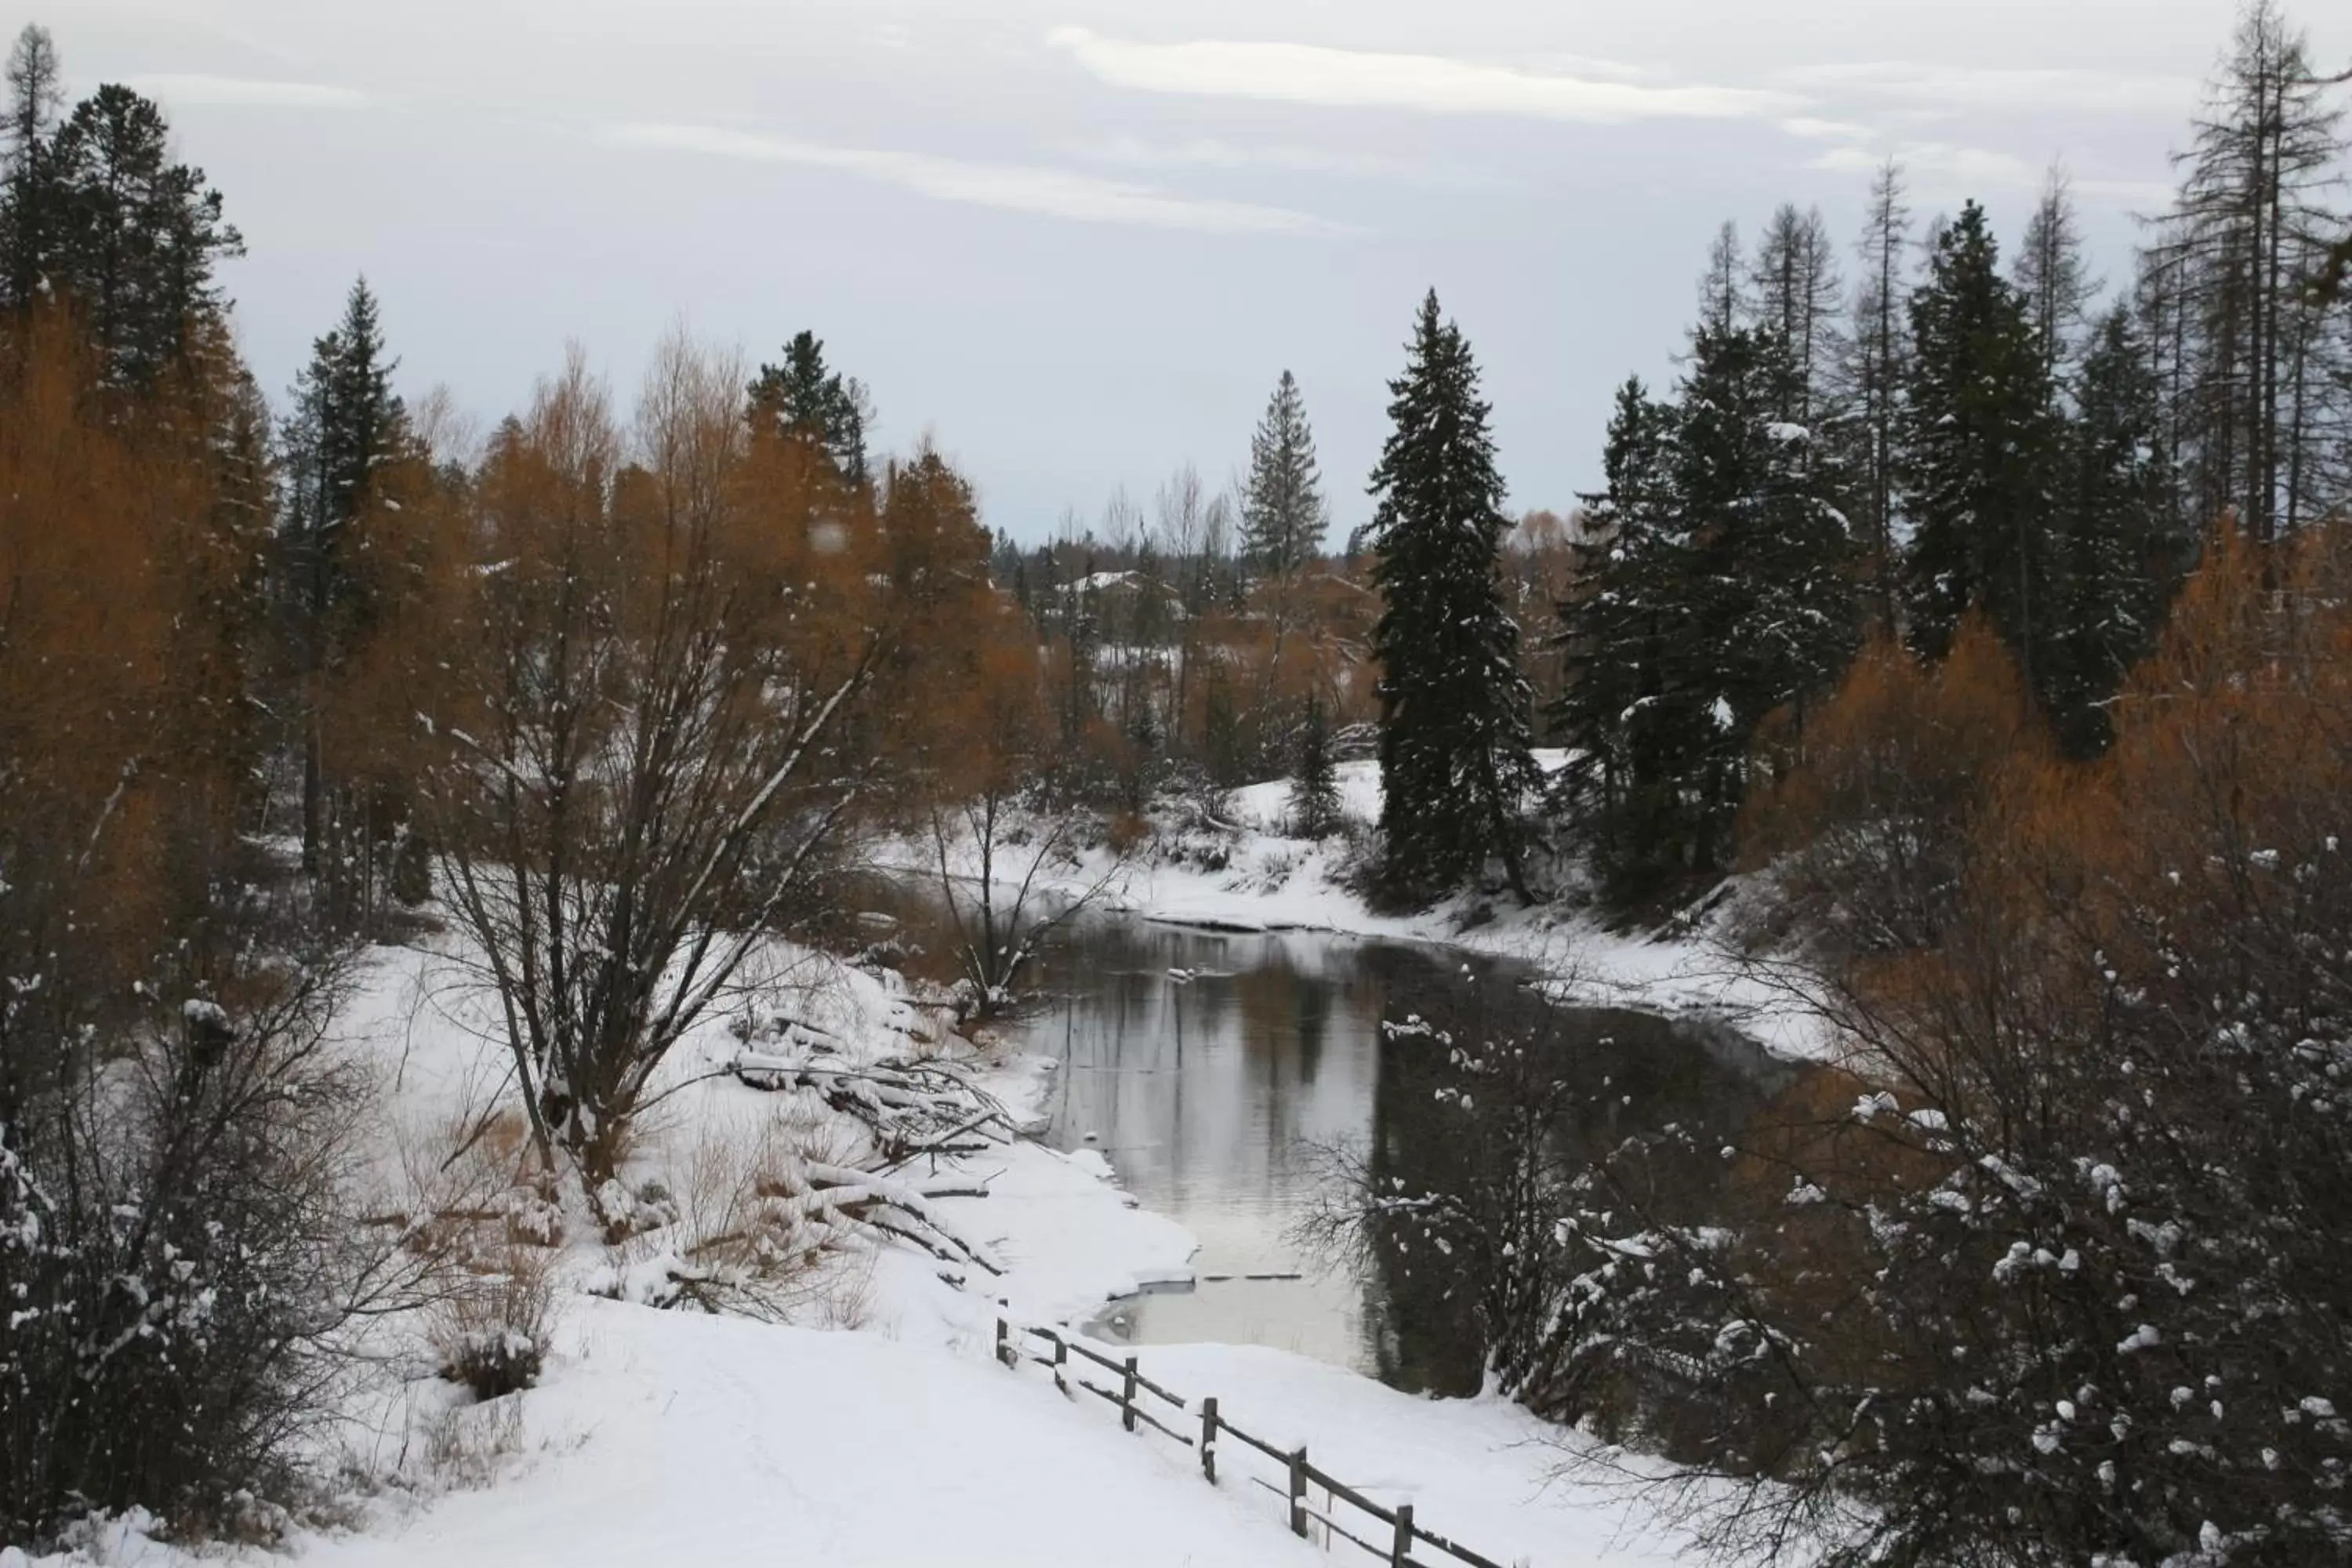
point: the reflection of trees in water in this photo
(1549, 1089)
(1209, 1092)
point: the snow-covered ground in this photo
(893, 1435)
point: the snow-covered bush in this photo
(491, 1332)
(180, 1254)
(2059, 1275)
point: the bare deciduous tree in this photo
(636, 777)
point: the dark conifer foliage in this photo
(1978, 446)
(1716, 588)
(347, 424)
(1454, 703)
(802, 395)
(1315, 808)
(1283, 514)
(135, 238)
(2120, 551)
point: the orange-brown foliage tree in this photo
(2067, 1280)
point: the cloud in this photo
(1013, 187)
(1323, 162)
(1938, 165)
(1429, 84)
(241, 92)
(1957, 89)
(1814, 130)
(1942, 169)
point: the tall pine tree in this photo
(1717, 589)
(1626, 634)
(138, 235)
(801, 397)
(1978, 461)
(1283, 514)
(1455, 759)
(347, 422)
(2121, 549)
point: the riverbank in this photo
(1241, 870)
(874, 1426)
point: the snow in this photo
(665, 1438)
(677, 1438)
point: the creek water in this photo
(1216, 1070)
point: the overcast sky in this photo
(1077, 241)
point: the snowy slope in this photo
(672, 1438)
(659, 1437)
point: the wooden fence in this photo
(1392, 1534)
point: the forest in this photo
(1963, 641)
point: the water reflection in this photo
(1210, 1068)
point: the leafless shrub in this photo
(490, 1333)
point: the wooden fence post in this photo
(1004, 1345)
(1060, 1357)
(1208, 1438)
(1127, 1398)
(1298, 1491)
(1403, 1552)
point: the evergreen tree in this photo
(2121, 551)
(1315, 780)
(30, 199)
(1626, 633)
(1283, 514)
(801, 397)
(1455, 761)
(1977, 464)
(1772, 550)
(138, 234)
(1717, 589)
(347, 424)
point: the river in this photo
(1215, 1070)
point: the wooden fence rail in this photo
(1402, 1533)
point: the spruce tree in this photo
(2121, 550)
(1454, 760)
(1773, 553)
(1625, 639)
(803, 398)
(1283, 514)
(1716, 588)
(347, 424)
(1978, 461)
(1315, 779)
(1606, 639)
(1767, 616)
